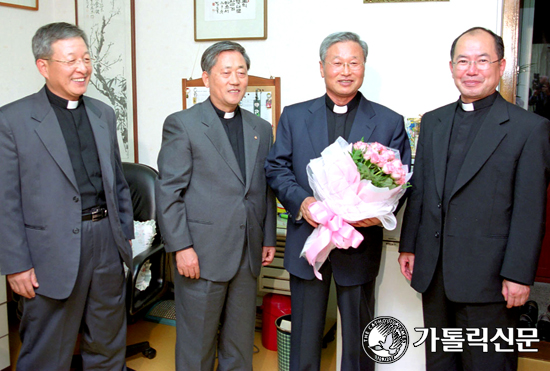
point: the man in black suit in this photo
(475, 218)
(305, 130)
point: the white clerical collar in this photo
(340, 109)
(468, 107)
(229, 115)
(72, 104)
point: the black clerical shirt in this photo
(234, 129)
(80, 141)
(339, 124)
(466, 125)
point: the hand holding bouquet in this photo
(351, 183)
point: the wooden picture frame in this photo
(110, 27)
(21, 4)
(230, 20)
(510, 37)
(267, 86)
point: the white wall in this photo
(18, 74)
(407, 67)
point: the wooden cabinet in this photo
(274, 277)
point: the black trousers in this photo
(309, 306)
(440, 312)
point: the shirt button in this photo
(436, 235)
(76, 231)
(439, 205)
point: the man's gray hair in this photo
(210, 55)
(47, 35)
(339, 37)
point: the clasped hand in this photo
(306, 214)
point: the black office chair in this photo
(141, 180)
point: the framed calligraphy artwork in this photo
(230, 20)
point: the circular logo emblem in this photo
(385, 339)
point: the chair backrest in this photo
(141, 180)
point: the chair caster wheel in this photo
(150, 353)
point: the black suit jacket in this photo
(495, 218)
(302, 135)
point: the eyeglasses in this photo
(481, 64)
(339, 66)
(73, 62)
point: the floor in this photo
(163, 339)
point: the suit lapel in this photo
(363, 126)
(486, 141)
(102, 141)
(49, 132)
(316, 124)
(251, 146)
(317, 128)
(217, 135)
(441, 135)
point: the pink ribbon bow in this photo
(333, 232)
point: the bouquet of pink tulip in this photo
(351, 183)
(379, 164)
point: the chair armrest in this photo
(139, 259)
